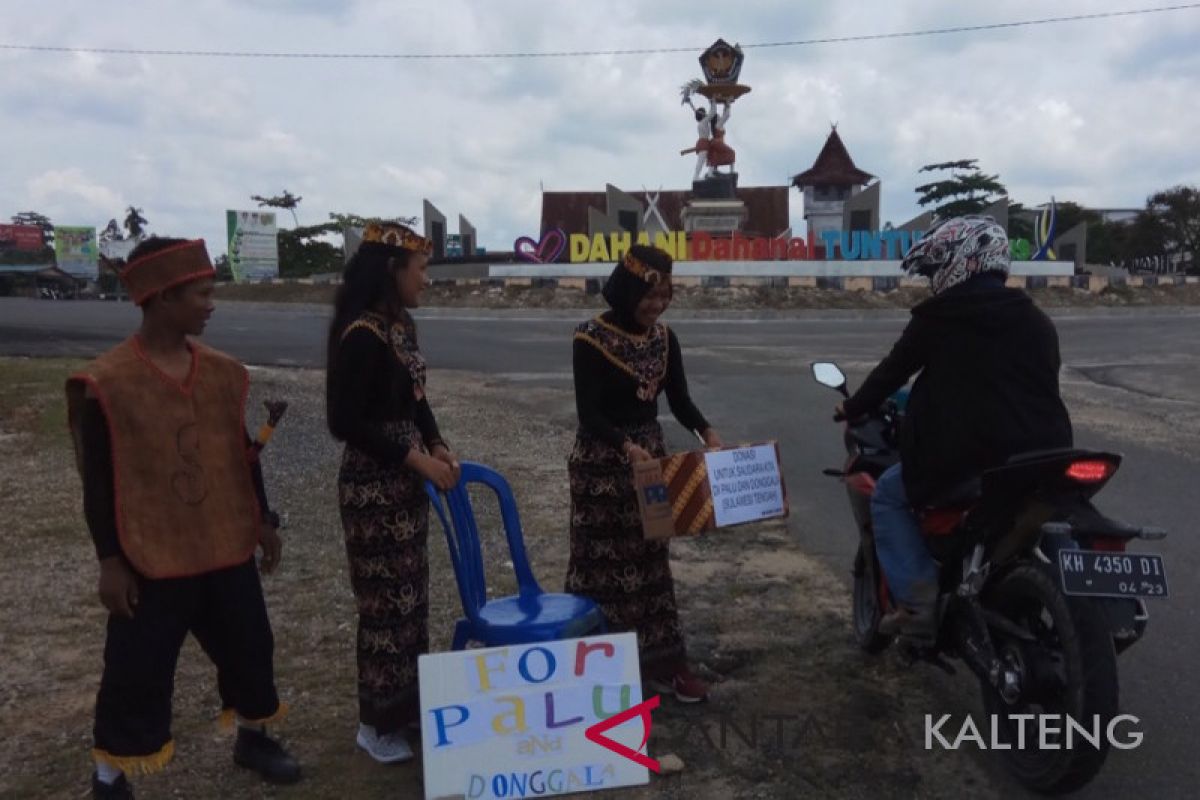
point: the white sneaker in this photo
(391, 748)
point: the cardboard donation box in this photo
(690, 493)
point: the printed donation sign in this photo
(532, 720)
(690, 493)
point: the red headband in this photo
(156, 272)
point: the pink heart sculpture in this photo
(545, 251)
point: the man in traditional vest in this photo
(174, 499)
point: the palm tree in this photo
(286, 200)
(135, 223)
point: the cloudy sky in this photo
(1100, 112)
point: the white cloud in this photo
(1100, 112)
(70, 191)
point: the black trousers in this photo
(226, 613)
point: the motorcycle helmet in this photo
(957, 249)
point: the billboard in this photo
(117, 249)
(76, 251)
(27, 238)
(253, 246)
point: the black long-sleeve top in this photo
(368, 386)
(99, 488)
(988, 389)
(606, 397)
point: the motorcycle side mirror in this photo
(829, 374)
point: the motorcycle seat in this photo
(1038, 455)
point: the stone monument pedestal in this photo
(715, 207)
(721, 186)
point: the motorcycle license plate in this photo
(1105, 574)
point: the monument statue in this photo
(721, 64)
(710, 147)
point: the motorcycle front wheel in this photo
(867, 609)
(1067, 669)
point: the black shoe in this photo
(117, 790)
(259, 752)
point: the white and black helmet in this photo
(958, 249)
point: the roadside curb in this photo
(1091, 283)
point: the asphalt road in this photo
(750, 377)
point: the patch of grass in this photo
(1120, 294)
(64, 529)
(281, 293)
(32, 400)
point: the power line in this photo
(121, 51)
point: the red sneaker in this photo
(686, 687)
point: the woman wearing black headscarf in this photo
(623, 359)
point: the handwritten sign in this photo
(689, 493)
(745, 484)
(507, 722)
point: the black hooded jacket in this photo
(988, 386)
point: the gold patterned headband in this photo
(641, 270)
(397, 236)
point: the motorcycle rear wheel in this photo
(1070, 670)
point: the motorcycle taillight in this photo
(1092, 470)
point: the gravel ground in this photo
(795, 708)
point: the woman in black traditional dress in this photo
(376, 404)
(623, 360)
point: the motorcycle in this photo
(1038, 594)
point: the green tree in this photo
(1148, 241)
(112, 232)
(1020, 226)
(1108, 243)
(1068, 215)
(344, 221)
(38, 220)
(303, 251)
(135, 223)
(1177, 211)
(108, 281)
(221, 265)
(967, 190)
(357, 221)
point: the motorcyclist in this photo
(987, 389)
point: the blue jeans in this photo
(905, 559)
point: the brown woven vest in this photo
(185, 500)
